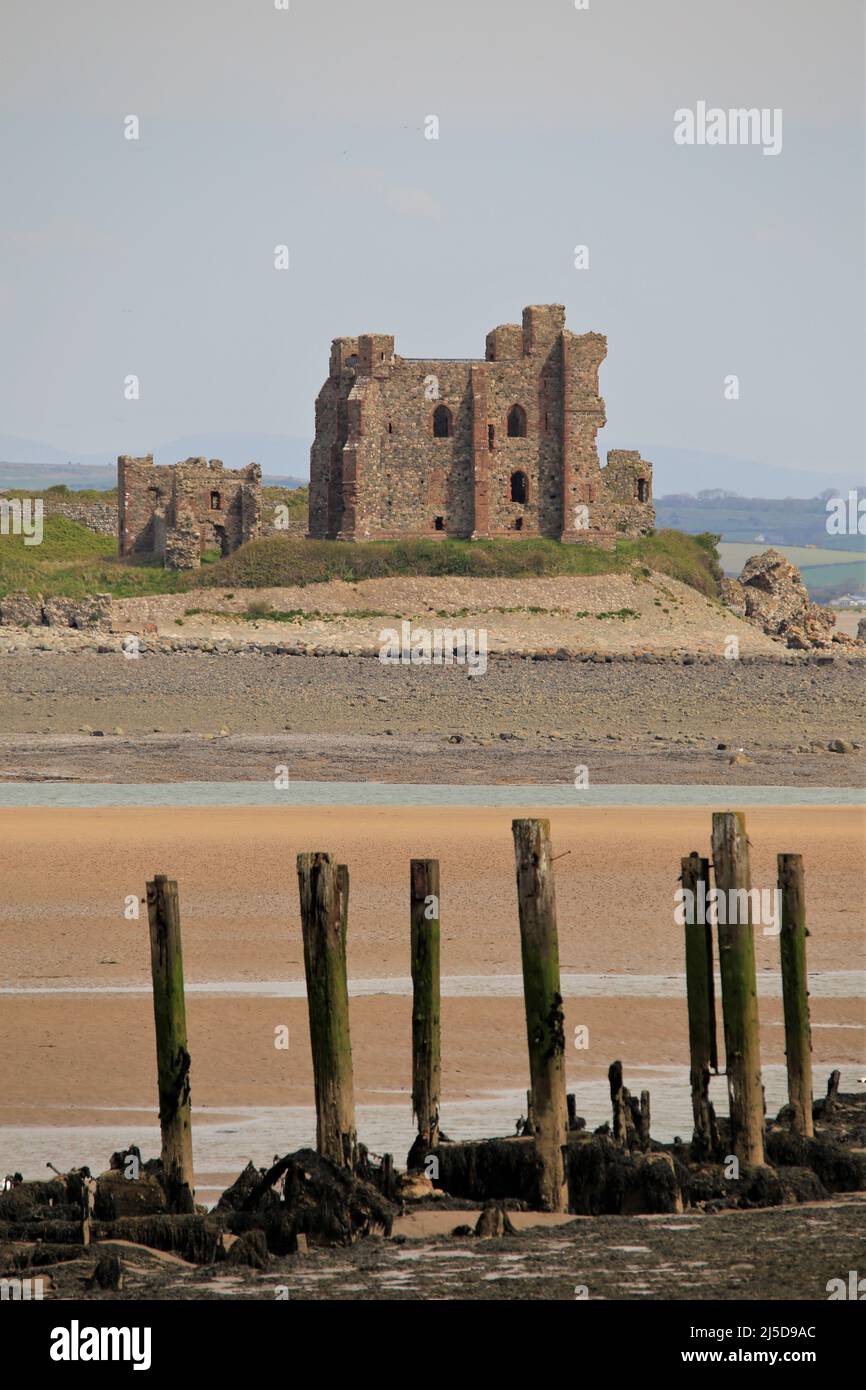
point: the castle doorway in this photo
(519, 487)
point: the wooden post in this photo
(172, 1057)
(700, 991)
(739, 989)
(389, 1182)
(619, 1104)
(545, 1018)
(644, 1128)
(795, 991)
(88, 1198)
(324, 891)
(530, 1115)
(426, 1007)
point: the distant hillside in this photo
(752, 520)
(288, 456)
(692, 470)
(38, 477)
(281, 457)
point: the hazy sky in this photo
(260, 127)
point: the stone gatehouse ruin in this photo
(177, 512)
(504, 446)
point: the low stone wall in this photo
(96, 516)
(32, 610)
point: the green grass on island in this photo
(72, 562)
(278, 561)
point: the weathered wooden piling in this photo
(172, 1056)
(739, 989)
(795, 991)
(426, 1005)
(545, 1018)
(645, 1121)
(88, 1197)
(700, 992)
(324, 891)
(618, 1104)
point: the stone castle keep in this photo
(469, 448)
(175, 512)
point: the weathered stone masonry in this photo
(469, 448)
(174, 512)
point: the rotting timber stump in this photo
(426, 1003)
(172, 1056)
(700, 994)
(795, 991)
(324, 887)
(739, 987)
(602, 1178)
(545, 1016)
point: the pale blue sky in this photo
(261, 127)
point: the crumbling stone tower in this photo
(175, 512)
(469, 448)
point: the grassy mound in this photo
(282, 561)
(73, 561)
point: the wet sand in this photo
(88, 1058)
(68, 874)
(200, 715)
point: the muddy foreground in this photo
(176, 716)
(779, 1253)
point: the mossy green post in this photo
(172, 1056)
(426, 1006)
(545, 1018)
(324, 893)
(700, 993)
(795, 991)
(730, 847)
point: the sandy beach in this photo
(89, 1056)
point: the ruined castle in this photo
(176, 512)
(470, 448)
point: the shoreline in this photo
(64, 928)
(201, 716)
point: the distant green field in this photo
(734, 554)
(851, 576)
(826, 573)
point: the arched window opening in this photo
(517, 422)
(642, 490)
(439, 523)
(390, 427)
(215, 503)
(519, 487)
(441, 422)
